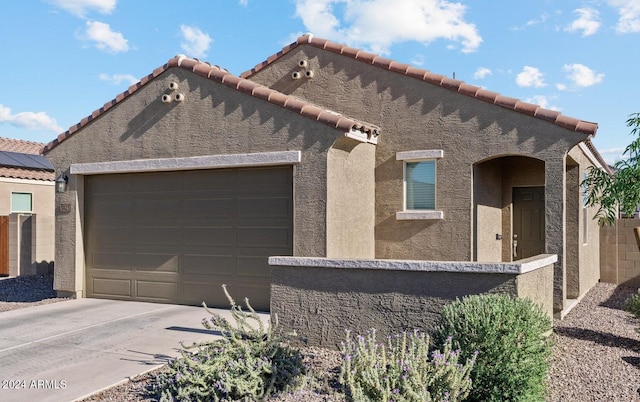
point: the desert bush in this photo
(511, 338)
(402, 369)
(632, 305)
(250, 362)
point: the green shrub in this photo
(510, 336)
(632, 305)
(249, 362)
(402, 369)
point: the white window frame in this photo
(13, 210)
(412, 157)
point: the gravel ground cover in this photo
(596, 355)
(26, 291)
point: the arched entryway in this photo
(508, 208)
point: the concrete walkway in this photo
(69, 350)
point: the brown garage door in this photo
(176, 237)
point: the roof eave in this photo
(514, 104)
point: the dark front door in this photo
(528, 222)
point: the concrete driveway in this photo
(71, 349)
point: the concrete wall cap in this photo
(516, 267)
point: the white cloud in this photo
(378, 24)
(481, 73)
(105, 38)
(418, 60)
(243, 2)
(195, 42)
(629, 11)
(118, 79)
(80, 8)
(543, 102)
(581, 75)
(530, 77)
(29, 120)
(588, 21)
(612, 155)
(561, 87)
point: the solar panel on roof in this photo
(28, 161)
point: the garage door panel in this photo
(156, 291)
(209, 292)
(158, 207)
(163, 183)
(112, 206)
(264, 207)
(156, 235)
(178, 236)
(214, 236)
(212, 294)
(112, 235)
(112, 185)
(253, 266)
(224, 180)
(208, 207)
(264, 237)
(265, 179)
(209, 264)
(111, 260)
(259, 296)
(112, 287)
(156, 262)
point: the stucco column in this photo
(66, 281)
(555, 179)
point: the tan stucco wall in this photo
(213, 120)
(537, 286)
(620, 253)
(488, 209)
(415, 115)
(43, 194)
(588, 249)
(350, 200)
(319, 299)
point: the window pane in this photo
(421, 185)
(20, 202)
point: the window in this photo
(21, 202)
(419, 184)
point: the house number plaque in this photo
(64, 208)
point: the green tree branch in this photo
(620, 191)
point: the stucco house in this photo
(26, 209)
(194, 176)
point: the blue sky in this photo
(63, 59)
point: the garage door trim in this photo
(189, 163)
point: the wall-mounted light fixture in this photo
(61, 183)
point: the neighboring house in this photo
(26, 209)
(192, 177)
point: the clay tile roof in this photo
(554, 117)
(20, 146)
(29, 174)
(215, 73)
(23, 147)
(595, 152)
